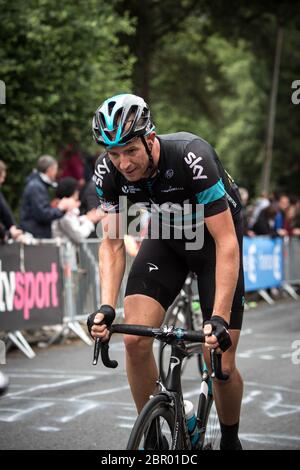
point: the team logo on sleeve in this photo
(169, 173)
(193, 162)
(130, 189)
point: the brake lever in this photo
(109, 316)
(97, 347)
(216, 365)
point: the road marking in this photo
(274, 403)
(48, 386)
(272, 387)
(47, 429)
(269, 438)
(21, 413)
(101, 392)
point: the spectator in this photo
(89, 165)
(289, 219)
(280, 219)
(88, 197)
(260, 204)
(265, 224)
(296, 221)
(71, 164)
(36, 211)
(245, 214)
(72, 226)
(7, 222)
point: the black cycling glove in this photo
(109, 316)
(220, 331)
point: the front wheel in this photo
(213, 433)
(155, 427)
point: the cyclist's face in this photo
(131, 160)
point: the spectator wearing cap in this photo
(73, 226)
(36, 211)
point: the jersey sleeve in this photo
(105, 185)
(203, 177)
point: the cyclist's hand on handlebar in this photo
(98, 329)
(211, 341)
(217, 334)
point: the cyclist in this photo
(173, 168)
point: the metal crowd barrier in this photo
(80, 285)
(291, 260)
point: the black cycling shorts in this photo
(161, 267)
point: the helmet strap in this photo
(151, 166)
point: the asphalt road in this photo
(58, 400)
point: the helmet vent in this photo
(110, 106)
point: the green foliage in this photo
(59, 61)
(205, 66)
(216, 97)
(213, 77)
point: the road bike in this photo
(162, 423)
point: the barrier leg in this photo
(291, 291)
(264, 294)
(58, 337)
(18, 339)
(79, 331)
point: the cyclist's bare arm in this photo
(112, 261)
(222, 229)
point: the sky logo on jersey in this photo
(100, 170)
(193, 162)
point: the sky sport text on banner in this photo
(30, 291)
(263, 263)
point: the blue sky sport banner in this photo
(30, 287)
(263, 263)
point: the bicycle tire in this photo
(212, 432)
(158, 410)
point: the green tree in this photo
(59, 61)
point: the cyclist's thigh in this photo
(140, 309)
(157, 272)
(206, 280)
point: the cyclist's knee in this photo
(229, 368)
(228, 365)
(137, 347)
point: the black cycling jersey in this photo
(189, 170)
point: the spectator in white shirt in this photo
(73, 226)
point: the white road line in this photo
(125, 426)
(269, 438)
(272, 387)
(102, 392)
(49, 385)
(21, 413)
(127, 418)
(80, 411)
(47, 429)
